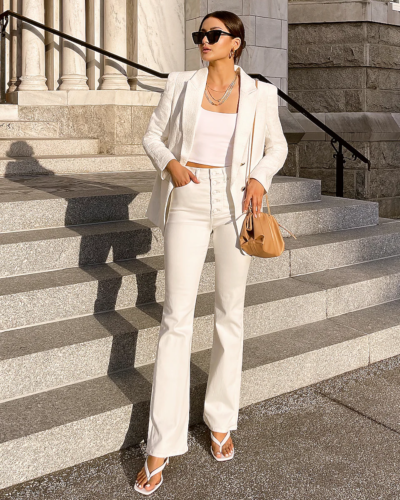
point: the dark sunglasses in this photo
(212, 36)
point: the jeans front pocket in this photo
(193, 170)
(180, 197)
(179, 187)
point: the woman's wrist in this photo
(170, 165)
(254, 179)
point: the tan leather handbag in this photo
(260, 236)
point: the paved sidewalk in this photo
(338, 439)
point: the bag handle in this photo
(249, 162)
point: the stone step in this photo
(318, 252)
(41, 250)
(51, 164)
(286, 190)
(21, 129)
(56, 201)
(385, 220)
(40, 357)
(94, 417)
(26, 147)
(41, 297)
(8, 112)
(330, 214)
(44, 356)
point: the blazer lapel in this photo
(191, 111)
(244, 125)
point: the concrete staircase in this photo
(81, 292)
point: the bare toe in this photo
(227, 449)
(149, 486)
(140, 477)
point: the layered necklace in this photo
(226, 94)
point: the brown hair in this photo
(234, 25)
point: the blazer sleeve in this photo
(275, 148)
(158, 129)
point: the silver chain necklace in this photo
(226, 94)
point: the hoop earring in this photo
(231, 53)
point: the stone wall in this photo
(347, 73)
(314, 160)
(345, 67)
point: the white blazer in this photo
(170, 135)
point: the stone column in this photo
(33, 70)
(52, 58)
(8, 47)
(114, 75)
(15, 46)
(94, 35)
(73, 55)
(156, 38)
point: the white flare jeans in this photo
(194, 211)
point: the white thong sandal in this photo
(222, 459)
(149, 476)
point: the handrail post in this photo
(3, 69)
(340, 161)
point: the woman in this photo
(205, 119)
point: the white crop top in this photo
(213, 138)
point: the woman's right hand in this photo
(180, 175)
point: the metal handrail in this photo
(340, 159)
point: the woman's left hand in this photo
(254, 192)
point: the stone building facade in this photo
(344, 67)
(92, 95)
(340, 59)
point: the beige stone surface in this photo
(119, 128)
